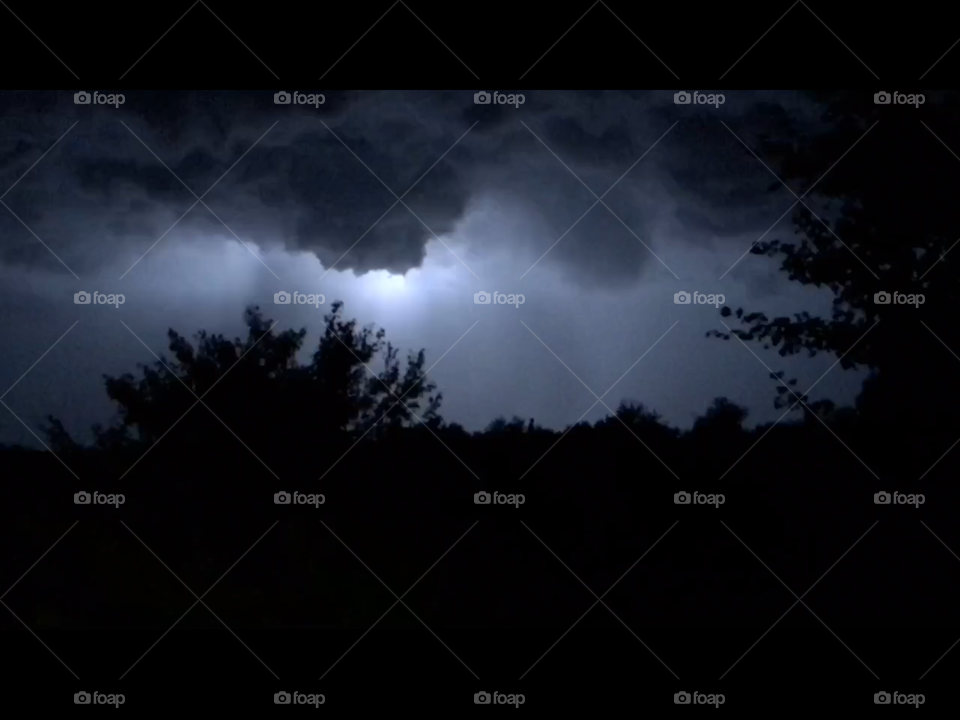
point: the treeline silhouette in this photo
(399, 480)
(399, 492)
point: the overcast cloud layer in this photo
(306, 199)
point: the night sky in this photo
(594, 494)
(404, 205)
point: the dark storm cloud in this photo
(100, 194)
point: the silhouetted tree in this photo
(278, 397)
(893, 184)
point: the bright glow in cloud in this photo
(382, 283)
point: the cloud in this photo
(327, 180)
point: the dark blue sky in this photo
(500, 199)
